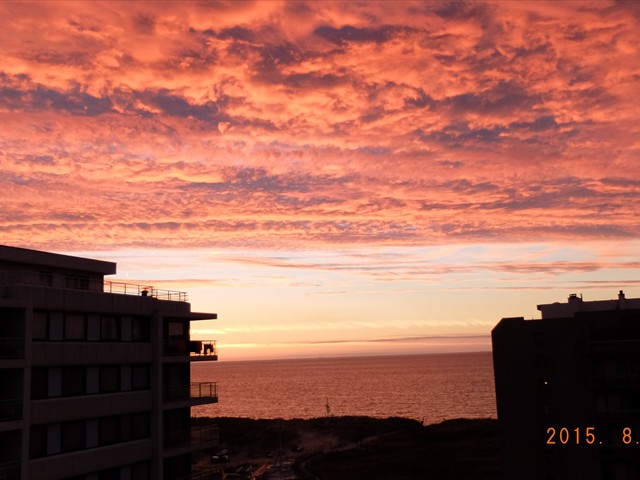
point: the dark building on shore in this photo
(95, 375)
(568, 391)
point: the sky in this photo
(330, 178)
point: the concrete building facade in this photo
(568, 391)
(95, 374)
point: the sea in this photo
(428, 388)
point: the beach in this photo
(348, 448)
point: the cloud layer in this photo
(290, 124)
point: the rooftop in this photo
(25, 256)
(576, 304)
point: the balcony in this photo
(144, 291)
(203, 350)
(197, 437)
(203, 393)
(93, 283)
(198, 393)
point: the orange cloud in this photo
(306, 123)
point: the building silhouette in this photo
(568, 391)
(94, 375)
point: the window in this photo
(72, 436)
(139, 425)
(140, 329)
(73, 381)
(39, 383)
(38, 441)
(75, 327)
(109, 430)
(109, 329)
(111, 474)
(140, 471)
(139, 377)
(46, 279)
(40, 326)
(77, 282)
(109, 379)
(176, 329)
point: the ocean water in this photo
(428, 388)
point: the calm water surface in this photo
(429, 388)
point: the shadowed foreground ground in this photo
(359, 448)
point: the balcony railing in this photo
(10, 409)
(203, 350)
(144, 291)
(11, 348)
(204, 390)
(93, 283)
(197, 392)
(193, 436)
(196, 349)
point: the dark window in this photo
(40, 326)
(39, 383)
(176, 330)
(46, 279)
(75, 327)
(125, 428)
(109, 330)
(77, 282)
(110, 379)
(140, 329)
(545, 408)
(538, 338)
(73, 381)
(140, 377)
(38, 441)
(111, 474)
(72, 436)
(140, 471)
(139, 425)
(109, 430)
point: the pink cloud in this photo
(317, 123)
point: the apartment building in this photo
(568, 391)
(94, 374)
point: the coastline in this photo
(344, 448)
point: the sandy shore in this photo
(357, 448)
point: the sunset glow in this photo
(330, 177)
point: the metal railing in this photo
(193, 436)
(204, 390)
(203, 348)
(144, 291)
(195, 390)
(93, 283)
